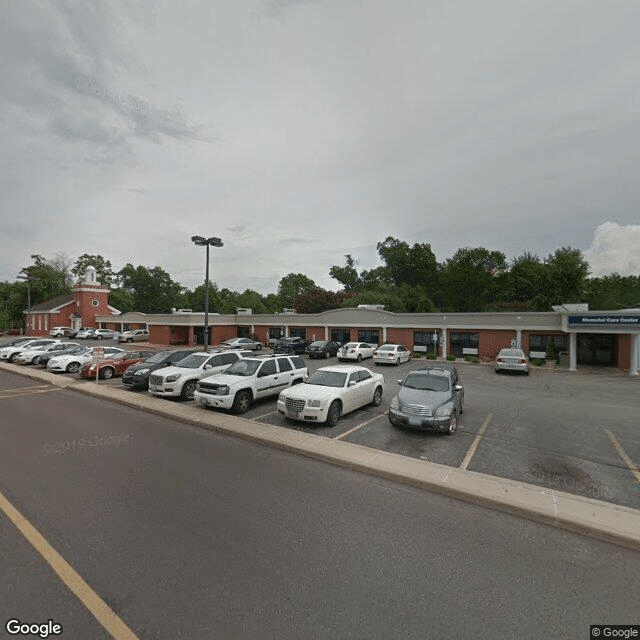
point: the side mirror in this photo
(400, 382)
(352, 383)
(457, 387)
(207, 366)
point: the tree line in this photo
(409, 279)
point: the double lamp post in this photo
(206, 242)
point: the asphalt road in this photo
(186, 533)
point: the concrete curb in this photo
(593, 518)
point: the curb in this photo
(585, 516)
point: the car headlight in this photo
(395, 405)
(173, 377)
(224, 390)
(141, 372)
(445, 410)
(314, 403)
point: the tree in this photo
(347, 276)
(317, 300)
(613, 292)
(47, 279)
(416, 265)
(293, 285)
(104, 272)
(527, 283)
(152, 289)
(567, 273)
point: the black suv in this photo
(137, 375)
(291, 345)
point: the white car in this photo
(83, 334)
(10, 353)
(135, 335)
(330, 392)
(60, 332)
(99, 334)
(391, 354)
(356, 351)
(180, 380)
(72, 362)
(29, 356)
(241, 343)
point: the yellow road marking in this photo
(359, 426)
(33, 386)
(474, 444)
(91, 600)
(4, 396)
(624, 456)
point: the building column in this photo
(326, 332)
(443, 338)
(573, 351)
(519, 338)
(634, 355)
(384, 334)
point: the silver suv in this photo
(137, 335)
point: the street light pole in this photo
(206, 242)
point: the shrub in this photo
(537, 362)
(451, 357)
(417, 354)
(431, 355)
(473, 359)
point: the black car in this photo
(322, 349)
(137, 375)
(291, 345)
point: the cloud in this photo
(615, 249)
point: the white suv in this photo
(180, 379)
(250, 379)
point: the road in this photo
(185, 533)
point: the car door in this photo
(286, 372)
(268, 379)
(352, 393)
(366, 386)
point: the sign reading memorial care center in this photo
(605, 320)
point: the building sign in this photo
(605, 320)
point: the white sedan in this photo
(391, 354)
(356, 351)
(29, 356)
(72, 362)
(330, 392)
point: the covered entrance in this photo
(597, 349)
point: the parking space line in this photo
(33, 386)
(358, 426)
(264, 415)
(627, 460)
(89, 598)
(5, 396)
(474, 444)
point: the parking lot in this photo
(572, 432)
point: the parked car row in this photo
(87, 333)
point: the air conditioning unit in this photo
(374, 307)
(288, 311)
(244, 312)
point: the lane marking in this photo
(627, 460)
(33, 386)
(359, 426)
(264, 415)
(474, 444)
(27, 393)
(89, 598)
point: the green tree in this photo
(152, 289)
(567, 272)
(47, 279)
(317, 300)
(104, 271)
(347, 276)
(293, 285)
(613, 292)
(415, 265)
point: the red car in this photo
(114, 366)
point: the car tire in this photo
(453, 424)
(462, 407)
(106, 373)
(98, 337)
(377, 397)
(259, 347)
(333, 415)
(242, 402)
(73, 367)
(359, 357)
(187, 389)
(397, 361)
(326, 355)
(129, 339)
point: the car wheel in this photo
(359, 357)
(106, 373)
(259, 347)
(242, 402)
(333, 415)
(453, 424)
(73, 367)
(98, 337)
(397, 361)
(34, 360)
(377, 397)
(326, 355)
(462, 406)
(129, 339)
(187, 389)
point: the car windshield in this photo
(243, 368)
(426, 382)
(318, 343)
(159, 357)
(351, 345)
(511, 353)
(387, 347)
(193, 361)
(327, 378)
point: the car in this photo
(9, 353)
(391, 354)
(250, 379)
(43, 360)
(137, 375)
(31, 355)
(72, 362)
(512, 360)
(429, 398)
(135, 335)
(291, 345)
(115, 366)
(241, 343)
(99, 334)
(83, 333)
(180, 380)
(322, 349)
(356, 351)
(331, 392)
(60, 332)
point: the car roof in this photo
(343, 368)
(435, 368)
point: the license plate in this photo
(415, 421)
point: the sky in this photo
(298, 131)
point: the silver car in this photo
(429, 398)
(135, 335)
(512, 360)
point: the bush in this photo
(417, 354)
(538, 362)
(473, 359)
(451, 357)
(431, 356)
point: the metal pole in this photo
(206, 305)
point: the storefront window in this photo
(463, 344)
(368, 335)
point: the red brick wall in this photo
(490, 342)
(402, 336)
(87, 310)
(623, 355)
(221, 333)
(169, 335)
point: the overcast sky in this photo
(302, 130)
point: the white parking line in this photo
(474, 444)
(4, 395)
(359, 426)
(624, 456)
(264, 415)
